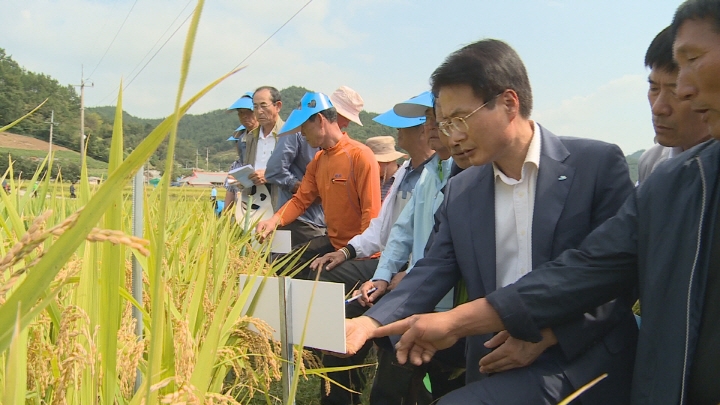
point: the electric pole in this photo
(207, 159)
(197, 155)
(52, 124)
(82, 86)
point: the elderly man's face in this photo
(407, 137)
(697, 51)
(312, 130)
(266, 111)
(431, 127)
(247, 118)
(674, 121)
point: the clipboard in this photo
(242, 174)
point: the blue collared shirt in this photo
(407, 185)
(411, 231)
(286, 167)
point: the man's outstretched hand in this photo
(357, 332)
(422, 336)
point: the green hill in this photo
(207, 133)
(199, 135)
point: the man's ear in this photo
(279, 105)
(510, 102)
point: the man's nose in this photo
(686, 89)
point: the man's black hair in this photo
(697, 10)
(659, 54)
(330, 114)
(489, 67)
(274, 93)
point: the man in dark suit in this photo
(530, 196)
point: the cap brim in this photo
(242, 102)
(408, 110)
(389, 157)
(416, 106)
(294, 121)
(393, 120)
(232, 138)
(347, 114)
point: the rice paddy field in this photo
(72, 337)
(69, 329)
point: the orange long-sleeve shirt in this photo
(346, 178)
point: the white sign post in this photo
(287, 305)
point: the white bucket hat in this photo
(348, 103)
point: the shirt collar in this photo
(532, 158)
(341, 143)
(674, 152)
(422, 165)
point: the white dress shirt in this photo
(374, 238)
(514, 205)
(265, 146)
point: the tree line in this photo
(198, 135)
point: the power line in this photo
(114, 38)
(155, 54)
(161, 37)
(236, 66)
(159, 49)
(273, 34)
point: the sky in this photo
(584, 57)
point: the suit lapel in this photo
(553, 186)
(482, 226)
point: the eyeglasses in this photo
(263, 106)
(458, 123)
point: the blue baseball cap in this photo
(416, 106)
(238, 129)
(390, 119)
(310, 104)
(243, 102)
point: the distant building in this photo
(94, 180)
(205, 179)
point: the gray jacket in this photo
(658, 243)
(286, 167)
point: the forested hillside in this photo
(21, 91)
(208, 133)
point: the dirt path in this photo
(14, 141)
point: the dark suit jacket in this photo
(580, 184)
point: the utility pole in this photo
(52, 124)
(82, 86)
(197, 155)
(207, 159)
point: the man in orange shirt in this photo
(344, 175)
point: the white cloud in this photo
(616, 112)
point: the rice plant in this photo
(67, 335)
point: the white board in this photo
(281, 242)
(326, 323)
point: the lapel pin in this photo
(561, 178)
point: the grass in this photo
(61, 155)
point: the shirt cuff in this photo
(382, 273)
(352, 252)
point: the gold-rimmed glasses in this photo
(458, 123)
